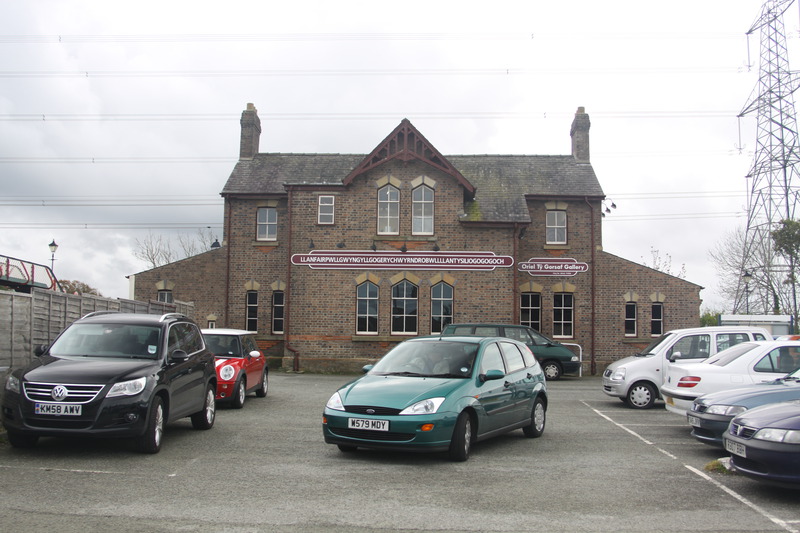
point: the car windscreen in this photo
(108, 340)
(436, 358)
(731, 354)
(223, 345)
(655, 344)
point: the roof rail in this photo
(98, 313)
(171, 315)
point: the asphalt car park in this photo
(598, 467)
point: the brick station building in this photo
(334, 258)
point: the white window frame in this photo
(531, 309)
(370, 305)
(659, 321)
(326, 207)
(422, 210)
(630, 327)
(267, 224)
(388, 210)
(278, 308)
(556, 226)
(441, 301)
(404, 301)
(562, 323)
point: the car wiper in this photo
(414, 374)
(447, 375)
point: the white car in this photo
(739, 366)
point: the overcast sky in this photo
(119, 119)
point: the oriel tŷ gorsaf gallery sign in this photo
(397, 260)
(552, 266)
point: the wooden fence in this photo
(27, 320)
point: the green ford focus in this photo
(440, 394)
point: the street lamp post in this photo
(53, 247)
(747, 278)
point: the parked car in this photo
(113, 375)
(636, 380)
(744, 364)
(765, 444)
(241, 367)
(711, 414)
(439, 394)
(555, 358)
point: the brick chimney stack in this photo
(580, 136)
(251, 132)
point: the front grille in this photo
(699, 408)
(58, 423)
(743, 431)
(364, 434)
(380, 411)
(76, 393)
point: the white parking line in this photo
(775, 520)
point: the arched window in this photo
(422, 211)
(388, 210)
(367, 309)
(441, 306)
(404, 308)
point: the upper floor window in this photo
(441, 306)
(422, 211)
(388, 210)
(563, 314)
(277, 311)
(530, 310)
(556, 223)
(367, 309)
(630, 319)
(267, 224)
(251, 311)
(325, 208)
(404, 308)
(657, 319)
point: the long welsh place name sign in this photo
(392, 260)
(552, 266)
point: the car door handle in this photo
(530, 376)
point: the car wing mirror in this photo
(179, 356)
(366, 368)
(40, 350)
(674, 356)
(491, 375)
(255, 353)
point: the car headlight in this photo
(226, 373)
(787, 436)
(127, 388)
(574, 358)
(725, 410)
(335, 402)
(12, 384)
(619, 374)
(425, 407)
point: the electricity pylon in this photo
(774, 180)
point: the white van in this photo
(636, 379)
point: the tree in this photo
(787, 243)
(158, 250)
(73, 286)
(663, 264)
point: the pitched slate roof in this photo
(501, 182)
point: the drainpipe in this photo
(227, 239)
(593, 291)
(515, 286)
(288, 300)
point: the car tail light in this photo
(688, 381)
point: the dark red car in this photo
(241, 367)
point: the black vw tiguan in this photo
(113, 375)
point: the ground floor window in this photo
(277, 311)
(404, 308)
(441, 306)
(251, 311)
(563, 314)
(165, 296)
(630, 319)
(657, 319)
(367, 309)
(530, 310)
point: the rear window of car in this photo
(513, 357)
(731, 354)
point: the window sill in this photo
(380, 338)
(265, 243)
(556, 247)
